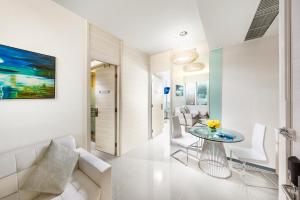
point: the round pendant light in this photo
(193, 67)
(184, 57)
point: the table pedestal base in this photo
(213, 160)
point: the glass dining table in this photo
(213, 160)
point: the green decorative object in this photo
(213, 130)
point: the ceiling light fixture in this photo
(184, 57)
(194, 67)
(183, 33)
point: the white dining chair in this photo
(182, 139)
(255, 153)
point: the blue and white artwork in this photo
(25, 74)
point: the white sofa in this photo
(194, 114)
(91, 179)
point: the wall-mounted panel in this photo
(104, 46)
(215, 83)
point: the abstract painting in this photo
(25, 74)
(202, 93)
(179, 90)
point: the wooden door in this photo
(105, 100)
(157, 106)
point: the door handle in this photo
(288, 133)
(94, 112)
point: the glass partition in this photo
(215, 80)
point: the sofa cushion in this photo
(80, 187)
(8, 185)
(187, 110)
(14, 196)
(53, 171)
(8, 165)
(22, 177)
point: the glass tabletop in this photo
(220, 135)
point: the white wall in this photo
(45, 27)
(161, 62)
(250, 90)
(134, 98)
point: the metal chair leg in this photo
(173, 156)
(244, 173)
(230, 158)
(198, 148)
(187, 155)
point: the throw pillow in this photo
(53, 172)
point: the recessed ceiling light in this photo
(183, 33)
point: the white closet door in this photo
(157, 106)
(105, 97)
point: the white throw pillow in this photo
(53, 172)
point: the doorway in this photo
(103, 87)
(160, 107)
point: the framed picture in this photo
(202, 93)
(25, 74)
(179, 90)
(190, 93)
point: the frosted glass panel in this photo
(215, 83)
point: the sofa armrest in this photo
(98, 171)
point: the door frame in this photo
(285, 90)
(151, 105)
(116, 100)
(117, 103)
(150, 134)
(86, 127)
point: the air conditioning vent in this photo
(264, 17)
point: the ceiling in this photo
(154, 25)
(149, 25)
(226, 22)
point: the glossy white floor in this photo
(148, 173)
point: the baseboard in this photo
(254, 165)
